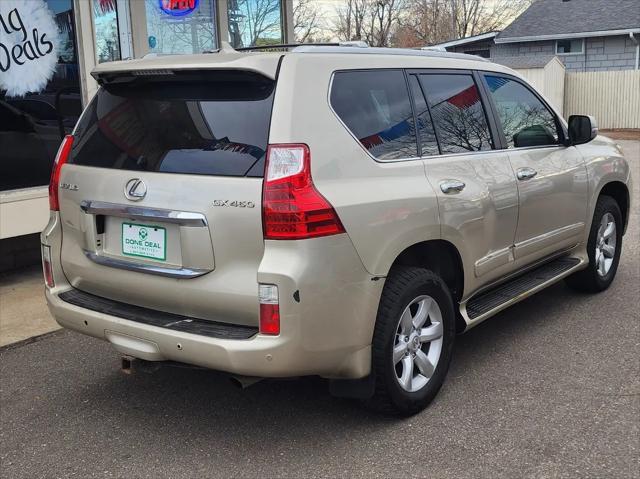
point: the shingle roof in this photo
(559, 17)
(524, 61)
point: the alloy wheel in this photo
(606, 244)
(418, 343)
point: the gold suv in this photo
(339, 211)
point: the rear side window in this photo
(213, 123)
(526, 121)
(458, 113)
(375, 106)
(426, 133)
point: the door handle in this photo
(525, 174)
(452, 186)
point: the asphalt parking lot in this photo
(549, 388)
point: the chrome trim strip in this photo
(178, 273)
(530, 245)
(183, 218)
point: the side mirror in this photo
(582, 129)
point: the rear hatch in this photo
(160, 200)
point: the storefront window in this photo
(255, 22)
(105, 20)
(37, 106)
(181, 26)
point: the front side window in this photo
(375, 106)
(526, 121)
(457, 112)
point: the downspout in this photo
(635, 40)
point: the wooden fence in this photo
(612, 97)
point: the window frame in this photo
(486, 106)
(581, 52)
(562, 131)
(344, 125)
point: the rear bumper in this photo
(260, 355)
(328, 305)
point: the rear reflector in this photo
(269, 309)
(61, 159)
(292, 208)
(47, 268)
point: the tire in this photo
(596, 277)
(406, 291)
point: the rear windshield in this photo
(209, 123)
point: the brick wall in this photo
(601, 53)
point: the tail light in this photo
(269, 309)
(47, 268)
(61, 159)
(292, 208)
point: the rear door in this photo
(477, 193)
(551, 177)
(160, 200)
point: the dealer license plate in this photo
(144, 241)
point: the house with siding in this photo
(586, 35)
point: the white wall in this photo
(612, 97)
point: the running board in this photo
(486, 304)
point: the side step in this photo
(517, 289)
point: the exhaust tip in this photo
(243, 382)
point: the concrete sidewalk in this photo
(23, 310)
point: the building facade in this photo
(584, 54)
(586, 35)
(45, 81)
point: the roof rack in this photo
(346, 47)
(283, 46)
(386, 51)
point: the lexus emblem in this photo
(135, 189)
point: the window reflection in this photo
(194, 127)
(457, 112)
(526, 121)
(426, 133)
(31, 126)
(105, 20)
(254, 22)
(375, 107)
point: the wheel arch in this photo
(441, 257)
(620, 193)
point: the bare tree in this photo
(351, 18)
(307, 21)
(254, 21)
(427, 22)
(373, 21)
(471, 17)
(434, 21)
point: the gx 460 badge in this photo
(234, 204)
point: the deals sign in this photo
(28, 46)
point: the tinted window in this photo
(32, 125)
(458, 114)
(214, 126)
(525, 119)
(375, 106)
(426, 133)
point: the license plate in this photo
(144, 241)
